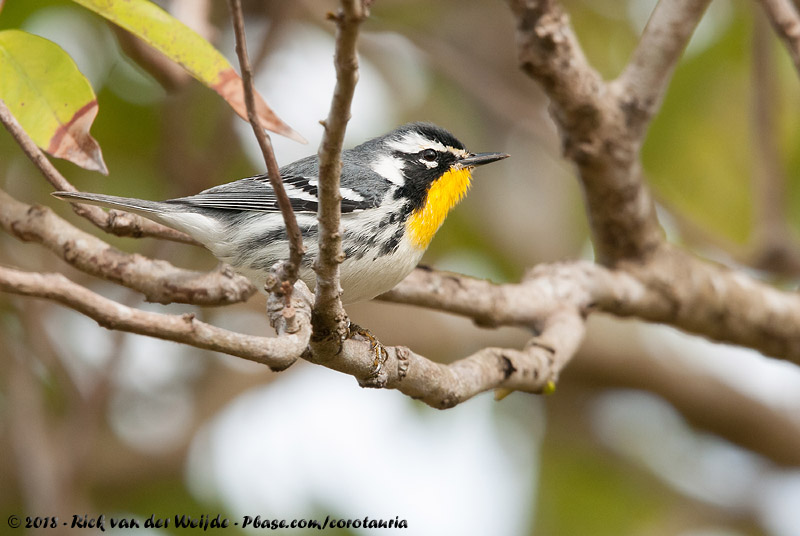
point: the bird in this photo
(396, 190)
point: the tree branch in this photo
(775, 248)
(671, 287)
(531, 369)
(642, 276)
(441, 386)
(716, 302)
(644, 81)
(706, 400)
(545, 291)
(603, 139)
(158, 280)
(785, 20)
(330, 319)
(593, 125)
(291, 266)
(115, 222)
(553, 301)
(275, 352)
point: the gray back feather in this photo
(300, 178)
(256, 194)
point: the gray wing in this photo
(300, 181)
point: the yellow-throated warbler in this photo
(396, 191)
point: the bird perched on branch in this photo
(396, 191)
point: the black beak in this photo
(481, 159)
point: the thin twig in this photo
(115, 221)
(645, 78)
(785, 20)
(296, 251)
(329, 315)
(774, 246)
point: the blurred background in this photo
(650, 432)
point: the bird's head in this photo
(431, 169)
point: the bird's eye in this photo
(429, 155)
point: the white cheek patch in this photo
(390, 168)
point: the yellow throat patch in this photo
(443, 194)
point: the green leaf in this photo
(184, 46)
(50, 98)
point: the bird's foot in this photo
(377, 376)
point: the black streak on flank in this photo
(391, 245)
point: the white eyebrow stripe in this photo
(390, 168)
(413, 142)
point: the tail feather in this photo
(139, 206)
(202, 227)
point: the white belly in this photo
(363, 276)
(361, 279)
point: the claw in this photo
(380, 353)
